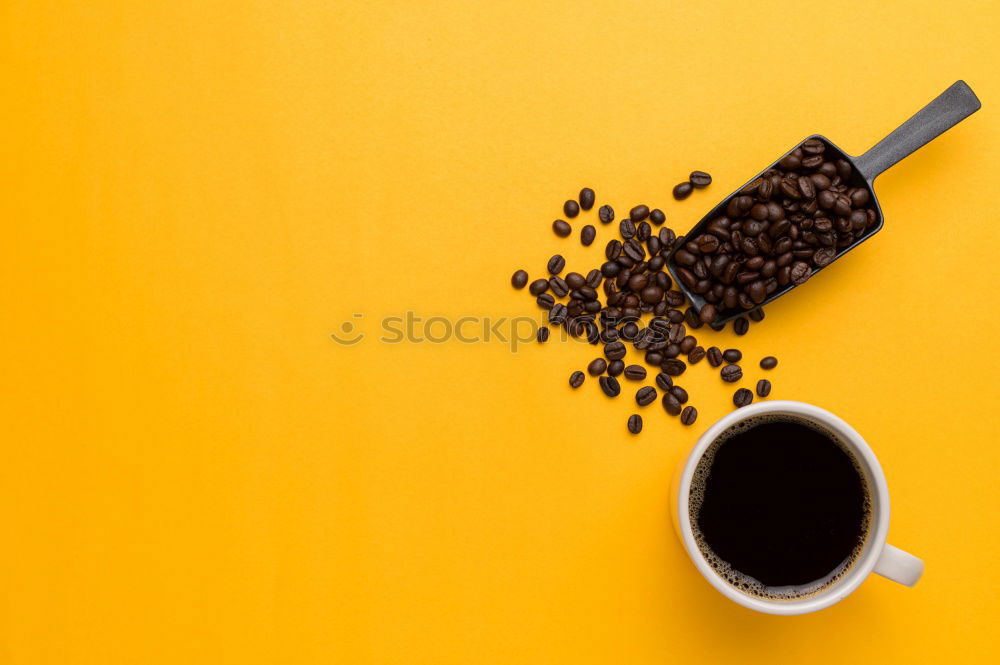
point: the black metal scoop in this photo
(948, 109)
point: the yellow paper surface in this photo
(195, 195)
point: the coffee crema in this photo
(779, 507)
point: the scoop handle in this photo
(947, 110)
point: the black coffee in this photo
(779, 508)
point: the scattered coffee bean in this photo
(670, 404)
(635, 423)
(732, 355)
(680, 394)
(683, 190)
(519, 279)
(714, 356)
(545, 301)
(597, 366)
(615, 368)
(558, 314)
(731, 373)
(664, 381)
(770, 362)
(586, 198)
(635, 372)
(756, 315)
(645, 396)
(556, 264)
(626, 228)
(742, 397)
(696, 355)
(700, 179)
(610, 386)
(638, 213)
(576, 379)
(571, 208)
(657, 217)
(673, 366)
(538, 287)
(559, 286)
(614, 351)
(763, 388)
(562, 228)
(606, 214)
(741, 325)
(543, 334)
(587, 235)
(689, 415)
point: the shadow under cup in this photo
(824, 591)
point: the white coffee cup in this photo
(876, 555)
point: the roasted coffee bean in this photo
(682, 190)
(597, 366)
(633, 250)
(635, 372)
(679, 393)
(543, 334)
(763, 388)
(575, 280)
(700, 179)
(823, 257)
(586, 198)
(635, 423)
(695, 355)
(673, 366)
(657, 217)
(561, 228)
(545, 300)
(556, 264)
(615, 368)
(757, 315)
(687, 343)
(571, 208)
(519, 279)
(587, 235)
(742, 397)
(643, 231)
(613, 250)
(645, 396)
(638, 213)
(606, 214)
(708, 313)
(768, 362)
(731, 373)
(732, 355)
(558, 286)
(614, 351)
(610, 386)
(593, 279)
(800, 272)
(538, 287)
(714, 356)
(558, 314)
(664, 381)
(626, 228)
(689, 415)
(670, 404)
(576, 379)
(741, 325)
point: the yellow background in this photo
(195, 195)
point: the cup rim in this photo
(880, 508)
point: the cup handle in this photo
(899, 566)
